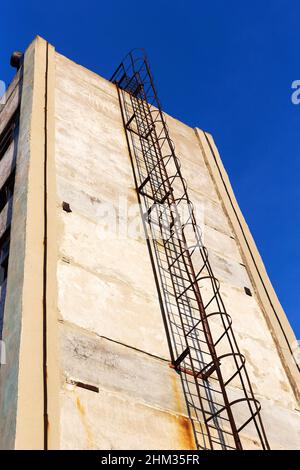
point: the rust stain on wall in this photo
(184, 426)
(176, 392)
(185, 433)
(89, 434)
(80, 407)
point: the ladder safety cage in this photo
(203, 347)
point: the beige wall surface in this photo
(110, 323)
(111, 330)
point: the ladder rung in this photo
(197, 375)
(136, 133)
(143, 184)
(180, 358)
(156, 201)
(166, 196)
(130, 120)
(208, 373)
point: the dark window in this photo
(4, 253)
(7, 189)
(9, 133)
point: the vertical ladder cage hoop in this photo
(203, 347)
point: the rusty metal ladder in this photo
(203, 348)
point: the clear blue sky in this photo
(223, 65)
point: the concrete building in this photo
(87, 352)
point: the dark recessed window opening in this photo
(7, 189)
(9, 133)
(4, 254)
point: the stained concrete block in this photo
(215, 217)
(121, 370)
(229, 270)
(282, 426)
(107, 421)
(246, 314)
(222, 244)
(109, 307)
(112, 257)
(266, 373)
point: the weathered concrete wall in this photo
(112, 333)
(111, 330)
